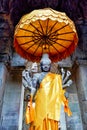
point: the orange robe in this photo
(48, 101)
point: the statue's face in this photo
(45, 67)
(34, 68)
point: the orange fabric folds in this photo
(30, 112)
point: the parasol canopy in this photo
(45, 31)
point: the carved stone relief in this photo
(5, 39)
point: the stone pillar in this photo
(75, 121)
(81, 82)
(3, 72)
(11, 100)
(21, 109)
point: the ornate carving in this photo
(5, 6)
(82, 33)
(1, 5)
(5, 40)
(80, 54)
(76, 9)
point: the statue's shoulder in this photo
(37, 75)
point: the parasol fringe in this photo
(23, 53)
(33, 58)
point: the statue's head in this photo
(34, 67)
(45, 63)
(31, 67)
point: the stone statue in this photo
(47, 93)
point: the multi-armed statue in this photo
(30, 76)
(47, 92)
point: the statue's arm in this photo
(30, 83)
(26, 79)
(66, 81)
(35, 84)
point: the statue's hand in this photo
(66, 81)
(67, 84)
(27, 98)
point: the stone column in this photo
(3, 73)
(21, 109)
(81, 82)
(75, 121)
(11, 100)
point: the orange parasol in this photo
(45, 31)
